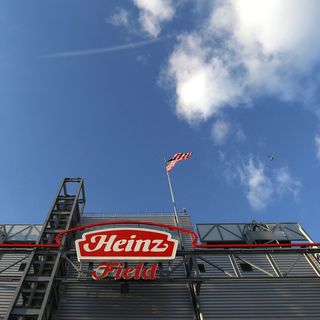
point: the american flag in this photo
(176, 158)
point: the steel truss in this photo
(37, 294)
(19, 232)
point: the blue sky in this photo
(105, 90)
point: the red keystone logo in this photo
(126, 244)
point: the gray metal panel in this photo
(261, 299)
(260, 264)
(20, 232)
(98, 300)
(292, 265)
(186, 223)
(216, 266)
(213, 232)
(292, 230)
(7, 290)
(236, 232)
(10, 263)
(9, 267)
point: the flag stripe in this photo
(176, 158)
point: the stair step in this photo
(23, 311)
(38, 278)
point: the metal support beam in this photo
(36, 295)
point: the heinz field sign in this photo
(126, 244)
(120, 245)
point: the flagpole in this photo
(172, 198)
(176, 216)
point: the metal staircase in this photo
(38, 292)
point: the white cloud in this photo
(203, 84)
(262, 188)
(285, 183)
(270, 27)
(317, 142)
(153, 13)
(119, 18)
(259, 189)
(240, 135)
(222, 155)
(223, 130)
(246, 48)
(220, 131)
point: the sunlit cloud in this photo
(246, 49)
(153, 14)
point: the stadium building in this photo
(78, 265)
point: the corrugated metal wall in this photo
(103, 300)
(292, 265)
(10, 268)
(10, 265)
(259, 293)
(7, 290)
(261, 298)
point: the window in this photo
(246, 267)
(22, 266)
(201, 267)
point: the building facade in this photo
(232, 274)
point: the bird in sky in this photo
(270, 157)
